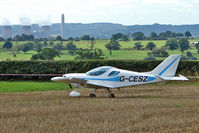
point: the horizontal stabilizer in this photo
(173, 78)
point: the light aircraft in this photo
(108, 77)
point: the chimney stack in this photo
(62, 25)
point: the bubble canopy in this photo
(99, 71)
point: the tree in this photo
(158, 52)
(58, 46)
(24, 37)
(189, 54)
(71, 46)
(59, 38)
(124, 38)
(187, 34)
(92, 42)
(1, 39)
(70, 39)
(77, 39)
(138, 45)
(163, 36)
(85, 37)
(7, 45)
(168, 34)
(173, 35)
(46, 54)
(150, 45)
(138, 36)
(51, 43)
(116, 36)
(153, 35)
(184, 44)
(27, 47)
(179, 35)
(112, 45)
(172, 44)
(38, 46)
(45, 44)
(89, 54)
(197, 47)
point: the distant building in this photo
(26, 30)
(62, 25)
(6, 32)
(45, 31)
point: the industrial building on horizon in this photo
(40, 32)
(6, 31)
(26, 30)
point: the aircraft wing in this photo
(92, 82)
(100, 83)
(173, 78)
(78, 80)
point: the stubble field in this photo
(170, 107)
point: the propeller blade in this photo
(70, 86)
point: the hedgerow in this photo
(188, 68)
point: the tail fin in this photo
(168, 67)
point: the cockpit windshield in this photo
(98, 71)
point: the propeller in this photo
(70, 86)
(66, 72)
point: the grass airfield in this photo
(165, 107)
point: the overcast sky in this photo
(127, 12)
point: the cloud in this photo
(161, 2)
(86, 11)
(25, 21)
(5, 21)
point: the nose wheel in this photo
(111, 95)
(92, 95)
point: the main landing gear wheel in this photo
(111, 95)
(92, 95)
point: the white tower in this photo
(62, 25)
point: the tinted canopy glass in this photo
(98, 71)
(113, 73)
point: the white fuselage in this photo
(123, 79)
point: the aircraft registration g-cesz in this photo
(109, 77)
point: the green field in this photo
(126, 51)
(29, 86)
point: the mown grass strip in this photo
(28, 86)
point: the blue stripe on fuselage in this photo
(151, 78)
(116, 79)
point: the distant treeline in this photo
(188, 68)
(118, 36)
(153, 36)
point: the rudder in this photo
(168, 67)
